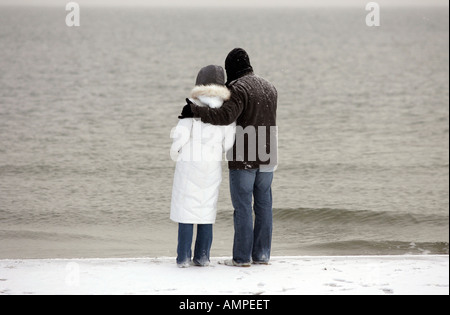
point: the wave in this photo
(16, 234)
(328, 231)
(364, 247)
(360, 217)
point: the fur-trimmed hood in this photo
(210, 95)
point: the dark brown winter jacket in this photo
(253, 105)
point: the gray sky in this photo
(229, 3)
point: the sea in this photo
(86, 113)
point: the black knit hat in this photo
(237, 64)
(211, 75)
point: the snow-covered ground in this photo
(285, 275)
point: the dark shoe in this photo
(200, 264)
(232, 263)
(185, 264)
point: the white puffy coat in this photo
(198, 149)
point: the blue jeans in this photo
(202, 244)
(252, 242)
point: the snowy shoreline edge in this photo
(287, 275)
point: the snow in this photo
(378, 275)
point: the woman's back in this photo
(202, 142)
(198, 149)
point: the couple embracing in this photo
(237, 117)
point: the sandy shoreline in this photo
(286, 275)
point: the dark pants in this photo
(202, 244)
(252, 242)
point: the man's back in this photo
(258, 99)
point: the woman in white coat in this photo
(198, 149)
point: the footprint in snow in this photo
(342, 280)
(387, 290)
(334, 285)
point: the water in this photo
(86, 114)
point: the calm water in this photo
(86, 114)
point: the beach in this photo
(286, 275)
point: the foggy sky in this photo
(228, 3)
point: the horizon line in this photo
(269, 6)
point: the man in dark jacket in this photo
(253, 105)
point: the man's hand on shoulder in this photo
(187, 110)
